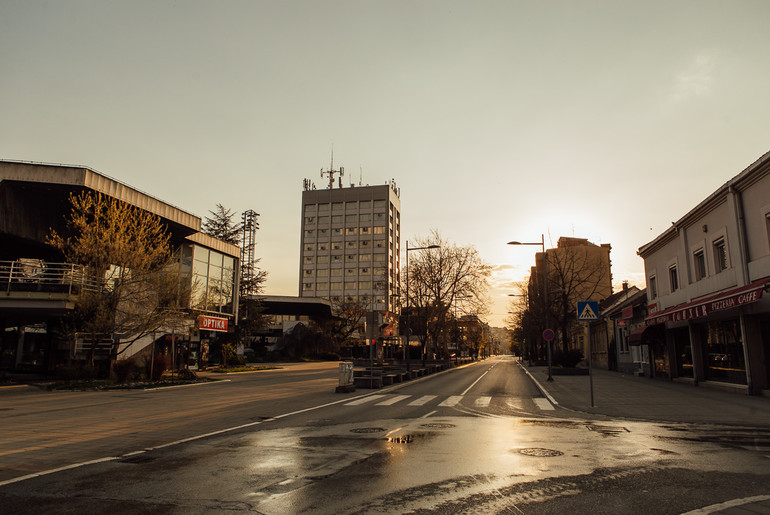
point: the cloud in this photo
(696, 80)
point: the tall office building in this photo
(351, 244)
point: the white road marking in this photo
(515, 404)
(543, 404)
(451, 401)
(422, 400)
(364, 400)
(482, 402)
(393, 400)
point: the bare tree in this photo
(575, 273)
(438, 278)
(126, 250)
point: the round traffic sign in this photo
(548, 335)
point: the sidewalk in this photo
(661, 400)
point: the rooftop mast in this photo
(331, 171)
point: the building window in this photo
(653, 287)
(365, 230)
(673, 278)
(351, 231)
(309, 219)
(322, 286)
(351, 219)
(379, 217)
(308, 273)
(336, 286)
(350, 258)
(323, 272)
(379, 204)
(379, 230)
(365, 204)
(323, 207)
(699, 259)
(337, 219)
(308, 248)
(310, 208)
(321, 259)
(323, 233)
(337, 206)
(364, 243)
(336, 259)
(307, 286)
(350, 271)
(323, 246)
(323, 220)
(366, 218)
(720, 255)
(337, 272)
(336, 232)
(351, 244)
(380, 244)
(308, 234)
(364, 257)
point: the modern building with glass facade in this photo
(351, 245)
(34, 198)
(708, 319)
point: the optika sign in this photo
(212, 324)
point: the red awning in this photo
(635, 338)
(701, 308)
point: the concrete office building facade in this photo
(351, 245)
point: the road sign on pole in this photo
(548, 335)
(588, 311)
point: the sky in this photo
(498, 120)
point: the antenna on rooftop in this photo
(331, 171)
(361, 175)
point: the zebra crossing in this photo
(471, 401)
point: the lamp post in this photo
(408, 249)
(545, 293)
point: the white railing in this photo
(34, 275)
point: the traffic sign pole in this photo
(548, 336)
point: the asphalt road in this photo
(477, 439)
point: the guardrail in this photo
(34, 275)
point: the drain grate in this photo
(366, 430)
(539, 452)
(401, 439)
(437, 425)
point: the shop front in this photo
(718, 339)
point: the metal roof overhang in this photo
(701, 308)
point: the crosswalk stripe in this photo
(364, 400)
(515, 403)
(393, 400)
(482, 402)
(451, 401)
(543, 403)
(422, 400)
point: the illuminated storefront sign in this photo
(206, 323)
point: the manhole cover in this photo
(437, 425)
(362, 430)
(401, 439)
(540, 452)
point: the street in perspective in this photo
(490, 436)
(384, 257)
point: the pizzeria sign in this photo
(702, 308)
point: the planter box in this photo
(561, 371)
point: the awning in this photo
(701, 308)
(635, 338)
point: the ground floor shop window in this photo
(723, 351)
(683, 352)
(660, 359)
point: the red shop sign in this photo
(212, 324)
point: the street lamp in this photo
(408, 249)
(545, 293)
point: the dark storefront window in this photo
(683, 352)
(724, 352)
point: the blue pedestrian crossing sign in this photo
(588, 311)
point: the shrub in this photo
(125, 370)
(160, 364)
(568, 359)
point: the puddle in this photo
(539, 452)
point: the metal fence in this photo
(34, 275)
